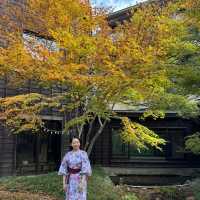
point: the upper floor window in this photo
(34, 44)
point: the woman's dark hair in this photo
(74, 137)
(71, 139)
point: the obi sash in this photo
(72, 171)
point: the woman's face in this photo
(75, 144)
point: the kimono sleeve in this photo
(63, 167)
(86, 167)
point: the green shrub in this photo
(129, 197)
(171, 193)
(196, 188)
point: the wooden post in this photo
(37, 164)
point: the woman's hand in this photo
(65, 186)
(87, 178)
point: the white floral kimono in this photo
(77, 187)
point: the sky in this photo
(115, 4)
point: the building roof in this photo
(125, 14)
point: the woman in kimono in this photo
(75, 168)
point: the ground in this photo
(142, 193)
(8, 195)
(184, 192)
(49, 187)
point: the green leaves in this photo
(140, 136)
(155, 114)
(192, 143)
(76, 121)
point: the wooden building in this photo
(171, 165)
(30, 153)
(124, 163)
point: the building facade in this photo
(30, 153)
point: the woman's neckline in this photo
(75, 150)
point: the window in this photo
(33, 44)
(25, 149)
(125, 150)
(119, 149)
(30, 38)
(41, 147)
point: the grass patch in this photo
(49, 184)
(100, 186)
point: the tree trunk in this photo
(89, 150)
(87, 142)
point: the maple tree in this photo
(72, 45)
(189, 75)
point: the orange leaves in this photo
(61, 14)
(83, 52)
(14, 58)
(95, 67)
(65, 74)
(20, 109)
(74, 47)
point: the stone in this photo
(190, 198)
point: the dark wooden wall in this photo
(7, 140)
(101, 150)
(7, 152)
(174, 126)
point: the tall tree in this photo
(134, 64)
(188, 75)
